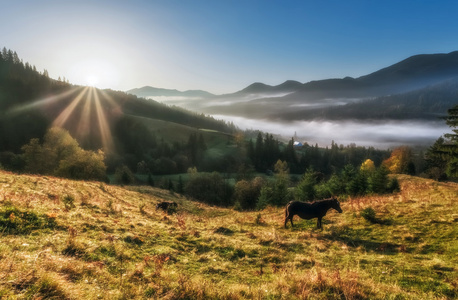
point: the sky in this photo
(221, 46)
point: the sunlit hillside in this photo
(66, 239)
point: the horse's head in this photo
(336, 204)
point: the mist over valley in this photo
(399, 104)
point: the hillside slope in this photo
(87, 240)
(357, 98)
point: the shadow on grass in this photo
(357, 238)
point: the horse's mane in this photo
(322, 201)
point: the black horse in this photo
(165, 205)
(317, 209)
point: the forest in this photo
(193, 154)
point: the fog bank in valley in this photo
(379, 134)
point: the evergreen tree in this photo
(150, 180)
(276, 194)
(378, 182)
(259, 153)
(436, 160)
(306, 189)
(442, 157)
(451, 148)
(290, 155)
(180, 186)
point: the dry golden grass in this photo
(108, 242)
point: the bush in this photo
(123, 175)
(69, 202)
(85, 165)
(369, 214)
(276, 194)
(246, 193)
(210, 188)
(61, 155)
(393, 186)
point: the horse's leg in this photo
(318, 223)
(291, 219)
(286, 216)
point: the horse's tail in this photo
(286, 209)
(287, 212)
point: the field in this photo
(64, 239)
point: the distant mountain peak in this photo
(259, 87)
(149, 91)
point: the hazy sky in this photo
(221, 46)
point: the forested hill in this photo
(149, 91)
(428, 103)
(418, 87)
(31, 102)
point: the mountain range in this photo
(419, 87)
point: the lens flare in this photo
(62, 118)
(104, 128)
(87, 114)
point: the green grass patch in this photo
(16, 221)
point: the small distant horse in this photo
(317, 209)
(165, 205)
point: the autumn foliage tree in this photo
(368, 166)
(400, 161)
(61, 155)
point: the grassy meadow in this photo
(63, 239)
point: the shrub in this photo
(123, 175)
(209, 188)
(69, 202)
(393, 186)
(246, 193)
(86, 165)
(369, 214)
(15, 221)
(61, 155)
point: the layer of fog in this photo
(223, 100)
(379, 134)
(329, 102)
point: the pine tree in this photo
(442, 157)
(180, 186)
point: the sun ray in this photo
(63, 116)
(116, 108)
(108, 98)
(105, 132)
(84, 125)
(44, 101)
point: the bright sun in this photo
(92, 80)
(94, 72)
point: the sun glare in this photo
(88, 111)
(92, 80)
(95, 72)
